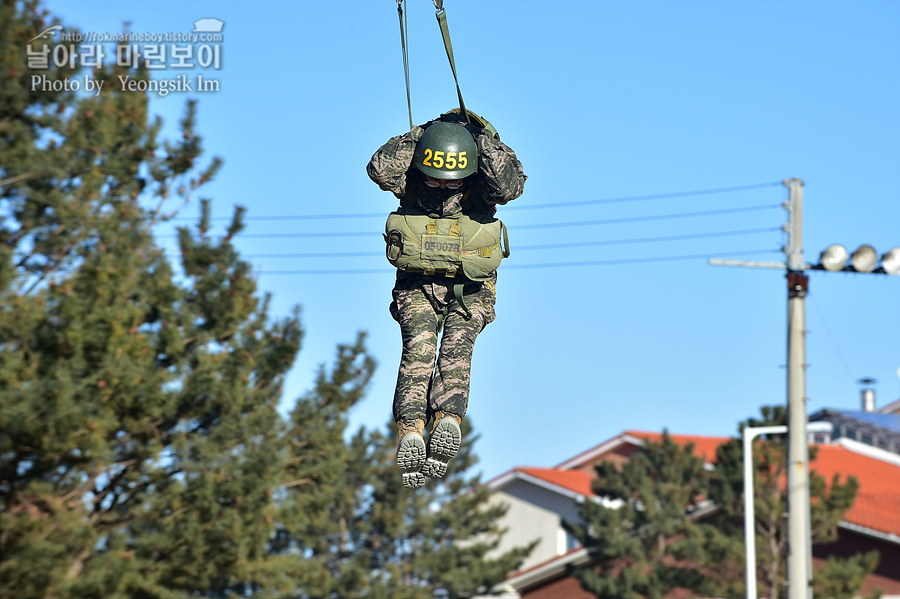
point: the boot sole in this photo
(442, 446)
(411, 456)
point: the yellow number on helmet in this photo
(451, 160)
(463, 161)
(438, 159)
(427, 161)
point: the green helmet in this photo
(446, 151)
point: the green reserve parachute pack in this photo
(469, 244)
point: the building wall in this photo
(886, 576)
(618, 456)
(565, 587)
(535, 513)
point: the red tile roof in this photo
(877, 505)
(874, 475)
(704, 447)
(572, 480)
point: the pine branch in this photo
(299, 481)
(78, 565)
(18, 178)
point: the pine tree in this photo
(139, 446)
(641, 534)
(843, 578)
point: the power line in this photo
(317, 255)
(549, 246)
(283, 217)
(636, 219)
(531, 266)
(292, 235)
(609, 221)
(638, 260)
(657, 196)
(834, 342)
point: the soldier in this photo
(443, 169)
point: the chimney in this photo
(867, 394)
(868, 400)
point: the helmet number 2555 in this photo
(452, 161)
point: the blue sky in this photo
(600, 100)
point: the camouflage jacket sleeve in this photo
(504, 179)
(389, 164)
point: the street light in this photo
(750, 433)
(864, 258)
(891, 262)
(834, 258)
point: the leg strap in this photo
(458, 292)
(441, 315)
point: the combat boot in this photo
(411, 452)
(443, 444)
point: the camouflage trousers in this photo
(421, 305)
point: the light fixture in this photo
(834, 257)
(891, 262)
(864, 258)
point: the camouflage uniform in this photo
(423, 304)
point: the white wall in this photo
(534, 513)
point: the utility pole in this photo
(799, 543)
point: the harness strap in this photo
(441, 315)
(458, 293)
(486, 252)
(403, 30)
(445, 33)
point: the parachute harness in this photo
(403, 30)
(441, 16)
